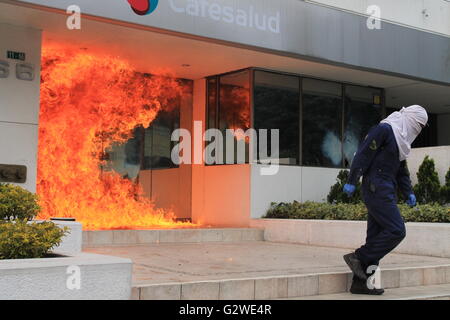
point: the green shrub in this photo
(425, 213)
(445, 190)
(336, 195)
(353, 211)
(22, 240)
(17, 203)
(428, 187)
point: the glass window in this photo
(322, 123)
(157, 143)
(228, 107)
(363, 109)
(277, 106)
(148, 148)
(234, 101)
(234, 112)
(125, 158)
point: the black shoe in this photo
(360, 287)
(355, 265)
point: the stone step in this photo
(431, 292)
(292, 286)
(156, 236)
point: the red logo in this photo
(143, 7)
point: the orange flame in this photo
(89, 102)
(237, 103)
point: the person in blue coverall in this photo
(381, 161)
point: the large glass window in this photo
(276, 106)
(157, 143)
(322, 123)
(234, 101)
(229, 109)
(148, 148)
(363, 109)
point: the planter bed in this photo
(101, 277)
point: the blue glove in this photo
(349, 189)
(411, 200)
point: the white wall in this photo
(289, 184)
(285, 186)
(313, 184)
(408, 12)
(440, 155)
(19, 102)
(443, 125)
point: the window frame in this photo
(301, 78)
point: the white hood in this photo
(407, 124)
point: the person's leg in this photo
(373, 229)
(388, 218)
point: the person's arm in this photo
(366, 152)
(404, 183)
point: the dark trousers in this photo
(385, 230)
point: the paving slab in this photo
(171, 263)
(432, 292)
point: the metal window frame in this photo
(301, 78)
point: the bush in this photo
(17, 203)
(336, 195)
(445, 190)
(357, 211)
(21, 240)
(428, 187)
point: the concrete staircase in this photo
(160, 236)
(431, 292)
(400, 283)
(216, 264)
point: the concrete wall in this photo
(441, 156)
(285, 186)
(72, 242)
(436, 18)
(289, 184)
(19, 102)
(101, 278)
(443, 125)
(427, 239)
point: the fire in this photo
(237, 115)
(89, 102)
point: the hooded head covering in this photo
(407, 124)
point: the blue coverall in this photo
(377, 160)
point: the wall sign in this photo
(15, 55)
(13, 173)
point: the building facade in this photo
(322, 72)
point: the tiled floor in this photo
(184, 262)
